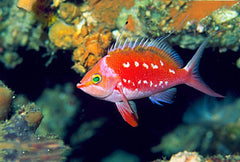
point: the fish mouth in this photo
(83, 85)
(80, 85)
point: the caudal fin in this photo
(194, 79)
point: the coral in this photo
(5, 100)
(106, 12)
(68, 12)
(56, 3)
(25, 122)
(131, 24)
(184, 137)
(86, 131)
(18, 141)
(26, 4)
(61, 35)
(156, 18)
(78, 31)
(10, 59)
(92, 49)
(223, 15)
(212, 128)
(186, 156)
(219, 16)
(179, 10)
(209, 111)
(18, 28)
(72, 24)
(43, 12)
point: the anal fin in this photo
(165, 96)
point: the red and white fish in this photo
(142, 68)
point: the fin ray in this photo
(165, 96)
(194, 79)
(157, 46)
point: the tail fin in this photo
(195, 80)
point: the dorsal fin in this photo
(157, 46)
(160, 47)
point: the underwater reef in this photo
(87, 28)
(210, 126)
(18, 141)
(47, 46)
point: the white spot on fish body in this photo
(136, 63)
(155, 85)
(124, 80)
(126, 65)
(160, 83)
(166, 82)
(139, 82)
(145, 82)
(161, 63)
(133, 83)
(171, 71)
(145, 65)
(154, 66)
(151, 83)
(129, 81)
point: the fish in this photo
(135, 69)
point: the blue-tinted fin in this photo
(165, 96)
(167, 51)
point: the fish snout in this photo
(79, 85)
(83, 84)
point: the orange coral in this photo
(77, 31)
(26, 4)
(91, 50)
(34, 119)
(131, 24)
(68, 12)
(5, 101)
(61, 35)
(90, 43)
(41, 8)
(106, 11)
(196, 10)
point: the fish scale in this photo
(144, 73)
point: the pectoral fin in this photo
(165, 96)
(127, 109)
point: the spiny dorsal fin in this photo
(157, 46)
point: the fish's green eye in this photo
(97, 78)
